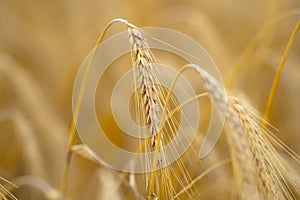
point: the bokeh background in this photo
(42, 45)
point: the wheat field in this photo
(42, 47)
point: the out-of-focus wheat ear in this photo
(35, 105)
(149, 112)
(26, 136)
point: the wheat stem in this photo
(278, 73)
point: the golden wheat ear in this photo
(258, 170)
(149, 109)
(153, 111)
(242, 158)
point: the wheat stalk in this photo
(72, 131)
(239, 148)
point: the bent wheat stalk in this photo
(72, 131)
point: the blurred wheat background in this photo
(42, 45)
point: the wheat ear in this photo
(242, 160)
(259, 172)
(148, 107)
(271, 175)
